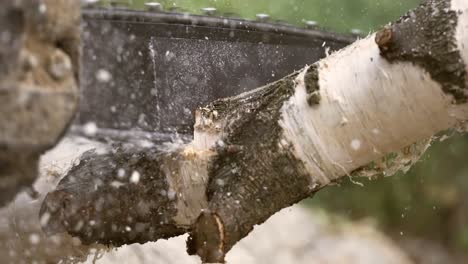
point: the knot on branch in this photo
(383, 38)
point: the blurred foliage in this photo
(431, 201)
(338, 15)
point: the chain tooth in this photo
(154, 6)
(311, 24)
(209, 11)
(90, 3)
(263, 17)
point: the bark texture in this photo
(426, 37)
(129, 194)
(115, 199)
(248, 175)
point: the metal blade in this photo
(150, 71)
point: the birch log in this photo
(267, 149)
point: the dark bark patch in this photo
(426, 36)
(311, 80)
(98, 201)
(246, 187)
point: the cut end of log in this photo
(207, 238)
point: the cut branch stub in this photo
(210, 244)
(426, 36)
(383, 38)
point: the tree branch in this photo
(272, 147)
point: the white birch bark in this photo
(369, 108)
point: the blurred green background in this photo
(429, 202)
(339, 15)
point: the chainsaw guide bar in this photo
(149, 71)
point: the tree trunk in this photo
(267, 149)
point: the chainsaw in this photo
(148, 71)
